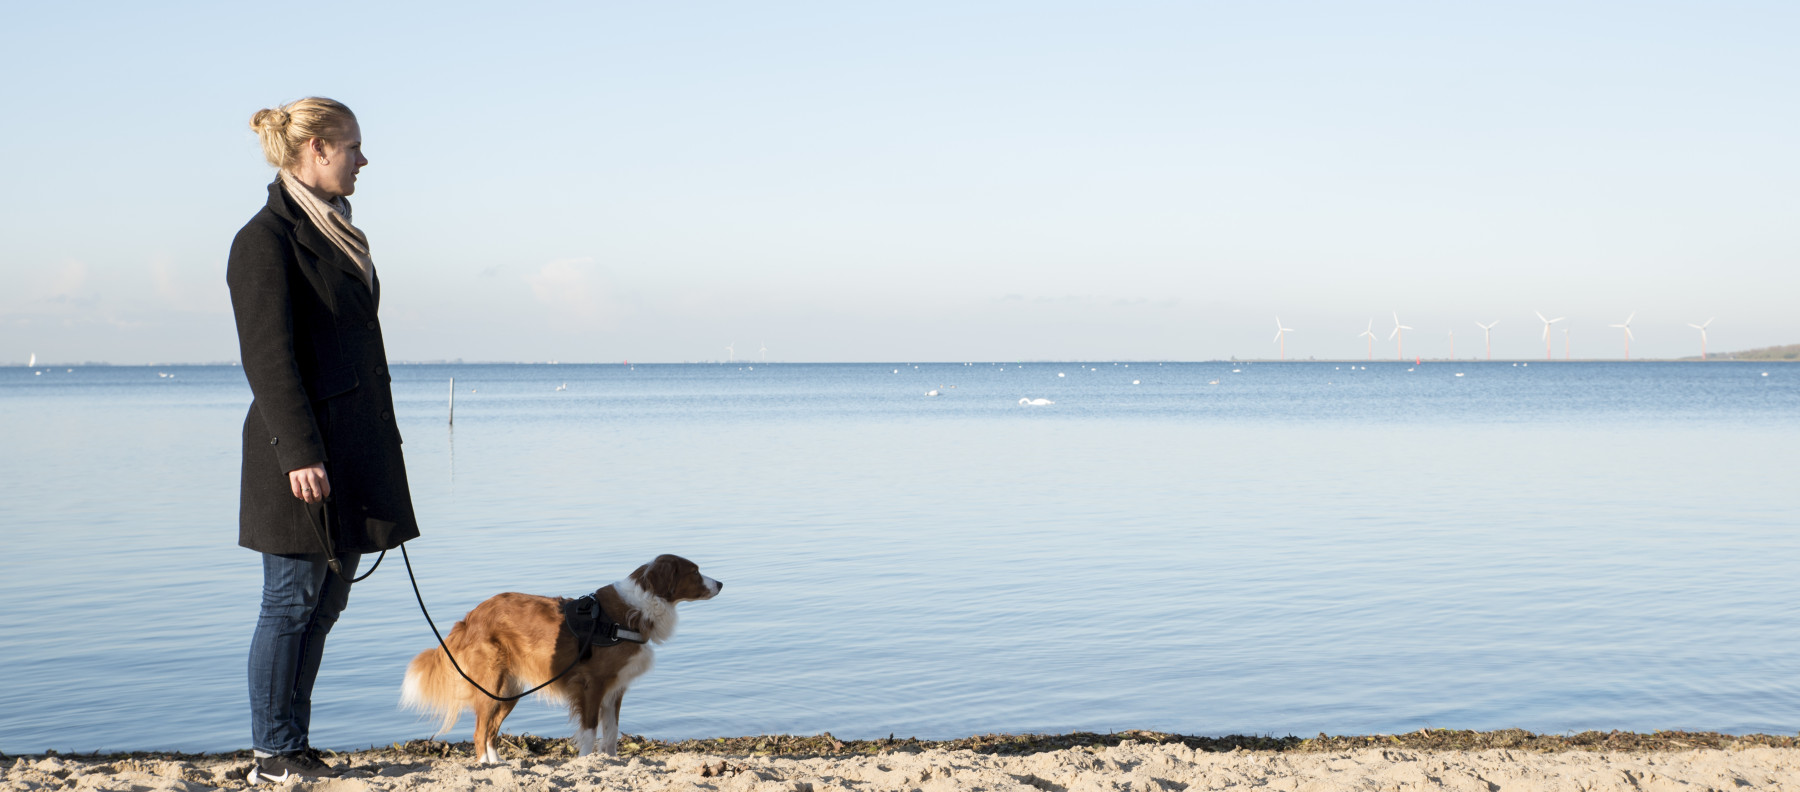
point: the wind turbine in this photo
(1399, 340)
(1280, 336)
(764, 352)
(1487, 336)
(730, 352)
(1547, 323)
(1702, 328)
(1370, 332)
(1627, 328)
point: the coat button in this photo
(274, 440)
(386, 416)
(378, 369)
(371, 325)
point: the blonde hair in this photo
(285, 129)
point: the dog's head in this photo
(675, 579)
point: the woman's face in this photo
(342, 159)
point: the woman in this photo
(322, 474)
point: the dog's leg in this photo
(609, 722)
(501, 710)
(589, 705)
(489, 714)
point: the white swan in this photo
(1036, 402)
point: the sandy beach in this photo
(1155, 763)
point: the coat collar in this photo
(310, 237)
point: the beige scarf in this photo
(334, 220)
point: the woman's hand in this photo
(309, 483)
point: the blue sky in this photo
(925, 181)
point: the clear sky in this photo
(925, 180)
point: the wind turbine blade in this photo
(1540, 315)
(1277, 335)
(1707, 322)
(1631, 317)
(1628, 332)
(1395, 332)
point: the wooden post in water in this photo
(452, 401)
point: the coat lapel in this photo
(310, 237)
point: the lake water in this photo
(1298, 548)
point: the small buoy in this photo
(1214, 382)
(1458, 373)
(931, 393)
(1234, 371)
(1764, 373)
(1059, 374)
(1134, 382)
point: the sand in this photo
(1126, 767)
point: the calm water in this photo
(1298, 548)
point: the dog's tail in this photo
(432, 685)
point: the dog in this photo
(513, 642)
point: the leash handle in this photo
(331, 560)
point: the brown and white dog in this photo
(513, 642)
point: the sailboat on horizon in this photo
(33, 360)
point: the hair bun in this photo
(274, 119)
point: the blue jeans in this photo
(301, 600)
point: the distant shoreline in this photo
(1361, 362)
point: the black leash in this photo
(580, 655)
(584, 644)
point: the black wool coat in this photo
(318, 372)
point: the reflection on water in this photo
(1298, 548)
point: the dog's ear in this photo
(657, 577)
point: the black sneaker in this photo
(279, 768)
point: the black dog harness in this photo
(590, 625)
